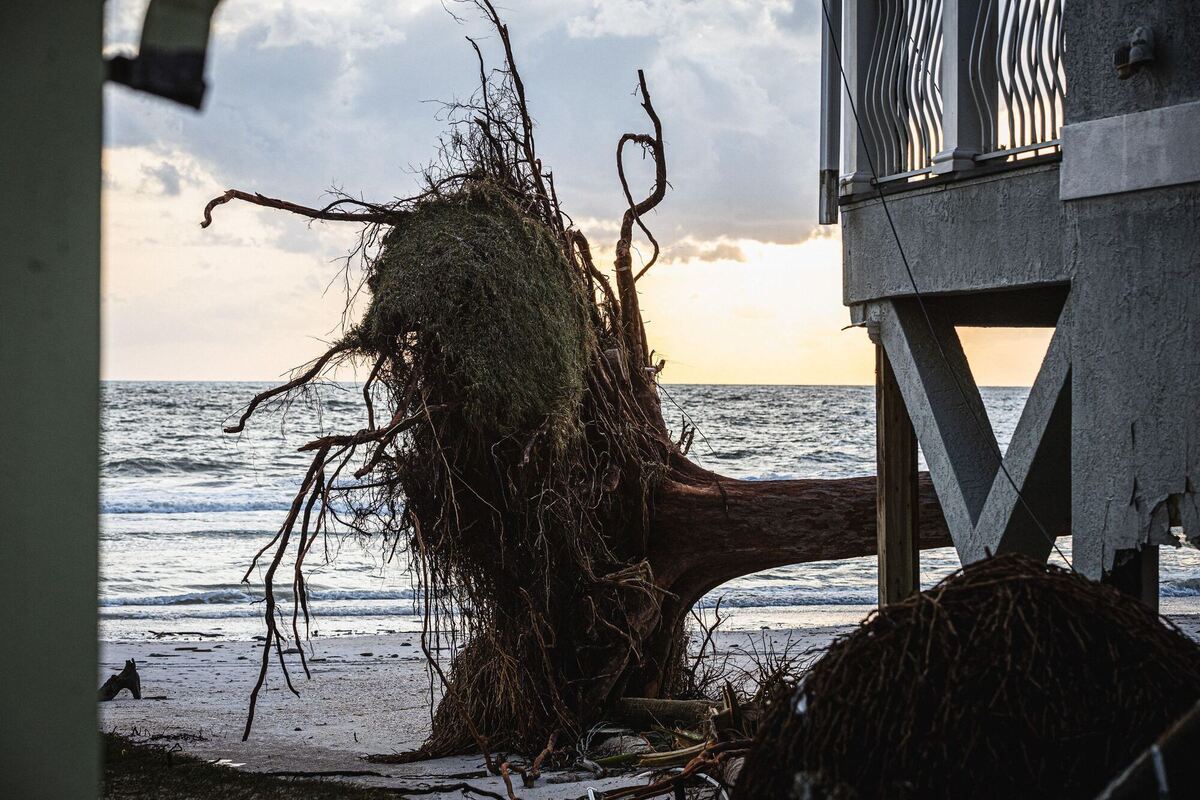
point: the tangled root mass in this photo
(1011, 678)
(512, 436)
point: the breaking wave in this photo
(241, 595)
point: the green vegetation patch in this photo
(489, 293)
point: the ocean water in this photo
(184, 507)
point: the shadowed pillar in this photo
(49, 396)
(1135, 572)
(896, 487)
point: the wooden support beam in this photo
(944, 404)
(895, 488)
(989, 511)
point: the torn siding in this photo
(1136, 379)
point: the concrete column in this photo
(860, 28)
(965, 125)
(896, 500)
(50, 140)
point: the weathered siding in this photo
(1136, 369)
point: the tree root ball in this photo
(489, 289)
(1010, 678)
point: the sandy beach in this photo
(367, 695)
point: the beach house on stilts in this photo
(1025, 163)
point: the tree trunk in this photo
(707, 530)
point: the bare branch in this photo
(580, 243)
(373, 214)
(632, 328)
(299, 380)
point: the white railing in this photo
(902, 109)
(1028, 70)
(939, 86)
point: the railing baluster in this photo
(883, 92)
(982, 72)
(931, 70)
(941, 85)
(897, 106)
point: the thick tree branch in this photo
(706, 530)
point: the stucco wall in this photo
(1094, 29)
(1136, 369)
(1135, 256)
(997, 232)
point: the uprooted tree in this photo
(514, 445)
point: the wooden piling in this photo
(896, 487)
(1135, 572)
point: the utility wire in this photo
(986, 432)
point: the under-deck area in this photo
(991, 165)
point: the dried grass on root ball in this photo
(489, 290)
(1011, 678)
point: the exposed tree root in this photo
(557, 533)
(374, 214)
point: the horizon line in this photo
(664, 383)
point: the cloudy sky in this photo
(314, 94)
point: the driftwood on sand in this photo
(127, 678)
(513, 443)
(644, 713)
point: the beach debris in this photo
(127, 678)
(1010, 678)
(187, 634)
(644, 713)
(682, 773)
(622, 744)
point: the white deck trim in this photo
(1131, 152)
